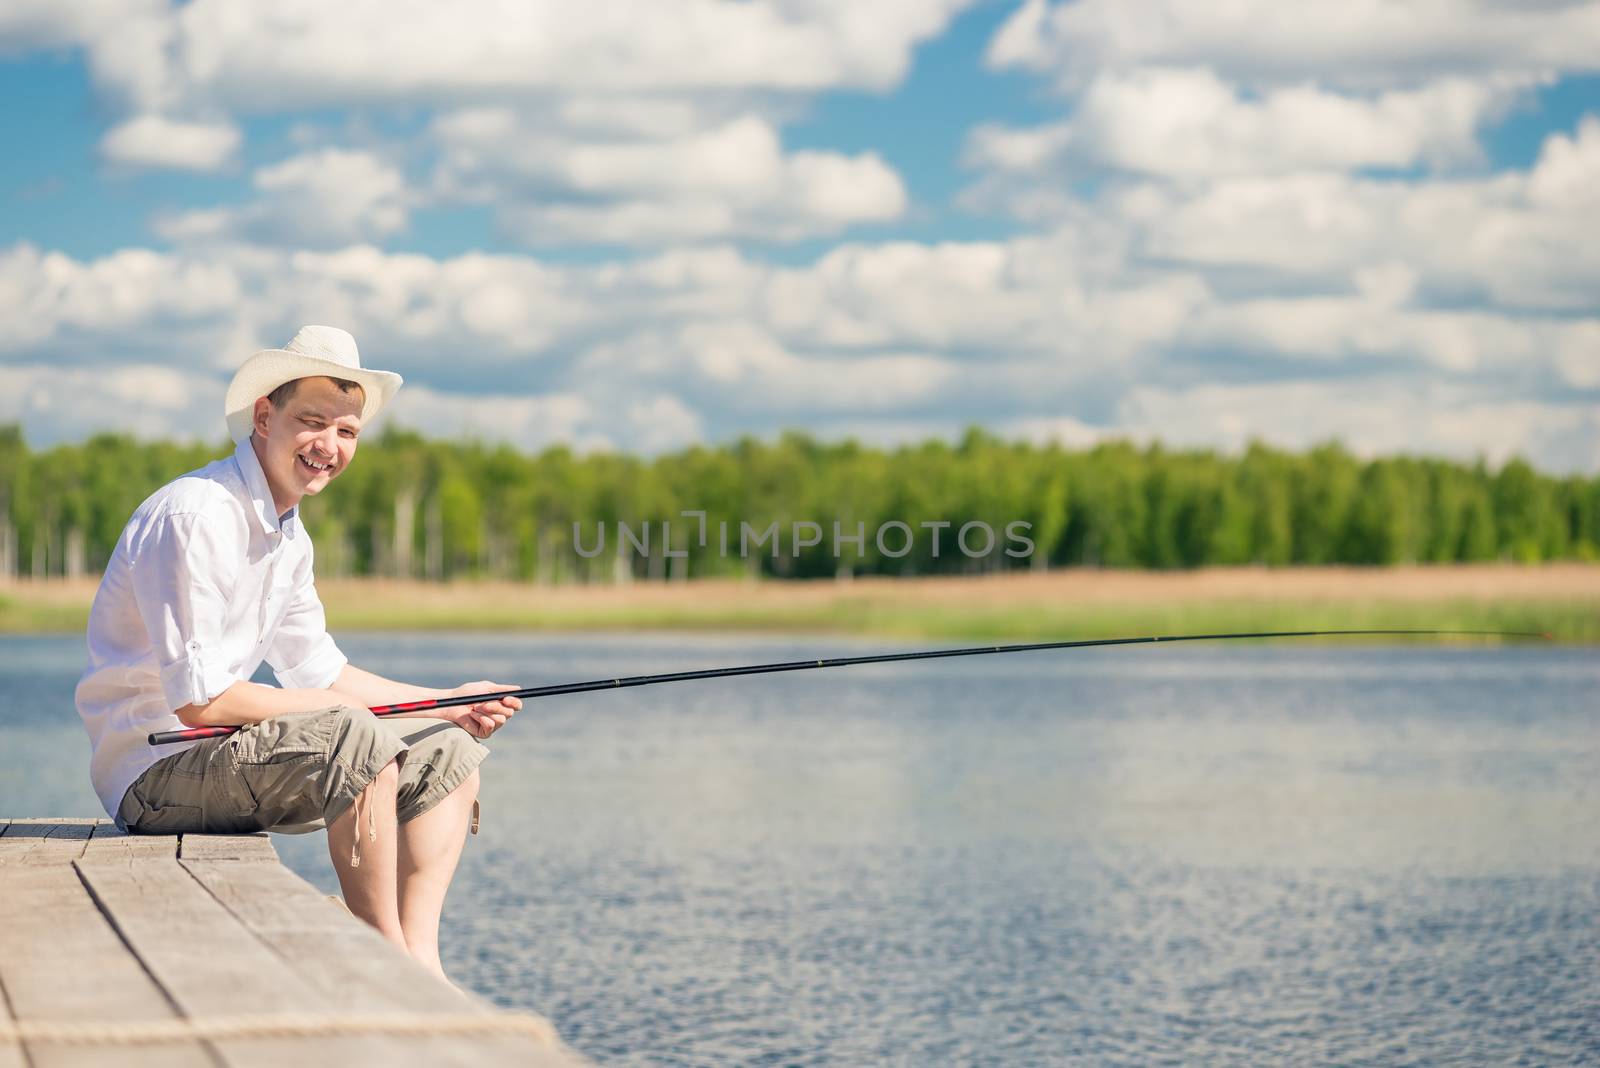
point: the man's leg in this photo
(369, 886)
(287, 773)
(430, 846)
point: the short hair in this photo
(280, 396)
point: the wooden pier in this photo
(203, 950)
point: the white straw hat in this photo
(314, 350)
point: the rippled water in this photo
(1201, 855)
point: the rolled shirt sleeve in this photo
(185, 570)
(303, 654)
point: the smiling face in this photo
(307, 439)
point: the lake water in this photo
(1224, 854)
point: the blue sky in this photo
(645, 225)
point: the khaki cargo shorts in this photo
(298, 773)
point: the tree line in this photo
(418, 508)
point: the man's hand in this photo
(486, 717)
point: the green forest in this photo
(412, 507)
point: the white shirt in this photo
(206, 582)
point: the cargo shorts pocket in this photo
(233, 780)
(226, 806)
(193, 792)
(304, 769)
(278, 779)
(142, 817)
(441, 756)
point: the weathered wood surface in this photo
(60, 961)
(228, 847)
(10, 1052)
(46, 842)
(348, 965)
(204, 932)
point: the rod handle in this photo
(189, 734)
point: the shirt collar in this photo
(255, 484)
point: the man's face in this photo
(306, 443)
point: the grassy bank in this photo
(1562, 599)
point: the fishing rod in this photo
(557, 689)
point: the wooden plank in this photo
(100, 928)
(211, 967)
(10, 1052)
(11, 1055)
(352, 967)
(252, 847)
(359, 969)
(110, 845)
(41, 842)
(61, 962)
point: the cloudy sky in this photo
(644, 224)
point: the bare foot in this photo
(430, 961)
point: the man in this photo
(212, 576)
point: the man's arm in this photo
(250, 702)
(377, 690)
(302, 652)
(480, 720)
(185, 569)
(246, 702)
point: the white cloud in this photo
(297, 53)
(635, 123)
(1034, 335)
(1190, 144)
(742, 364)
(301, 54)
(1361, 44)
(1065, 295)
(159, 141)
(642, 116)
(1055, 430)
(639, 124)
(1375, 417)
(127, 42)
(663, 422)
(528, 422)
(1205, 262)
(553, 184)
(56, 403)
(1337, 331)
(1229, 142)
(1030, 149)
(1576, 354)
(469, 312)
(322, 199)
(49, 296)
(1190, 123)
(27, 24)
(1513, 240)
